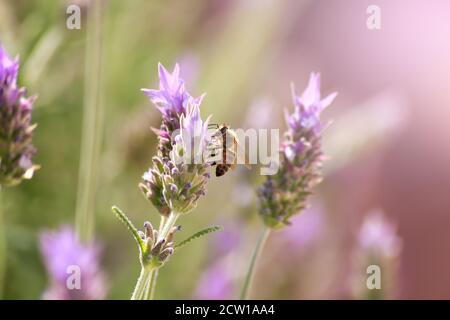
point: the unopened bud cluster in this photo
(172, 188)
(157, 247)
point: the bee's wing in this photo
(240, 155)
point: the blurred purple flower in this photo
(378, 235)
(216, 283)
(227, 240)
(378, 244)
(285, 193)
(304, 123)
(9, 69)
(16, 130)
(305, 228)
(308, 106)
(62, 251)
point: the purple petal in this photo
(328, 100)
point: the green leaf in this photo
(199, 234)
(122, 217)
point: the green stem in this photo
(167, 224)
(146, 284)
(144, 289)
(255, 257)
(92, 127)
(2, 246)
(162, 223)
(152, 285)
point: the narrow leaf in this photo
(199, 234)
(122, 217)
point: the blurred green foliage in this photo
(229, 39)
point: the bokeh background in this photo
(388, 146)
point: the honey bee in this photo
(227, 141)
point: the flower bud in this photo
(165, 254)
(148, 229)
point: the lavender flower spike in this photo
(64, 257)
(285, 193)
(175, 183)
(16, 130)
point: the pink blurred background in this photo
(409, 177)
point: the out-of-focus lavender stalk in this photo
(16, 133)
(379, 246)
(92, 128)
(257, 251)
(285, 193)
(218, 281)
(73, 267)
